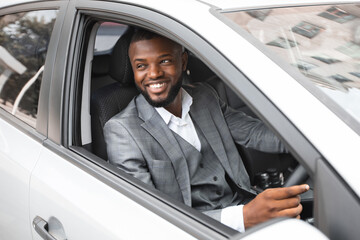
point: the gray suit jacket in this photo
(140, 143)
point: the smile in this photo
(156, 85)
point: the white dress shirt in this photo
(184, 127)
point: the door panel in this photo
(89, 209)
(18, 156)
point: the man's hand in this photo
(272, 203)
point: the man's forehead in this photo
(158, 43)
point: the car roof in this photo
(7, 3)
(246, 4)
(220, 4)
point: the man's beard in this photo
(164, 102)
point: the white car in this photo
(293, 64)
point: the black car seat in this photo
(109, 100)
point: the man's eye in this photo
(140, 66)
(166, 61)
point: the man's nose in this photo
(155, 71)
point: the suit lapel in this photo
(155, 125)
(200, 113)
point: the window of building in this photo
(259, 14)
(307, 29)
(340, 78)
(283, 43)
(303, 65)
(356, 74)
(337, 15)
(24, 38)
(350, 49)
(326, 59)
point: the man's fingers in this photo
(287, 203)
(287, 192)
(290, 212)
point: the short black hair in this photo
(140, 34)
(143, 34)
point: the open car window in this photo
(105, 74)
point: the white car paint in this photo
(297, 229)
(19, 154)
(88, 208)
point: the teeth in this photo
(157, 85)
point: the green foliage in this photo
(26, 38)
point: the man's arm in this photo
(246, 130)
(124, 152)
(272, 203)
(250, 132)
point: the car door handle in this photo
(41, 227)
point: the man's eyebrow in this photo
(139, 60)
(166, 55)
(161, 56)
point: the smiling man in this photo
(181, 140)
(156, 72)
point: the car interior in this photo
(112, 88)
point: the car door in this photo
(76, 195)
(22, 122)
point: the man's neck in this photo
(175, 107)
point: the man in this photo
(181, 141)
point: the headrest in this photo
(120, 68)
(100, 65)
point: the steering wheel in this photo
(297, 177)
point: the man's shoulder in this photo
(200, 90)
(128, 114)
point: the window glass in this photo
(24, 38)
(321, 42)
(107, 35)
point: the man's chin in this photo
(161, 103)
(156, 102)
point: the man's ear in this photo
(184, 60)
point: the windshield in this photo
(321, 42)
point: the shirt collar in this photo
(186, 101)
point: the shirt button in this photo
(201, 165)
(215, 178)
